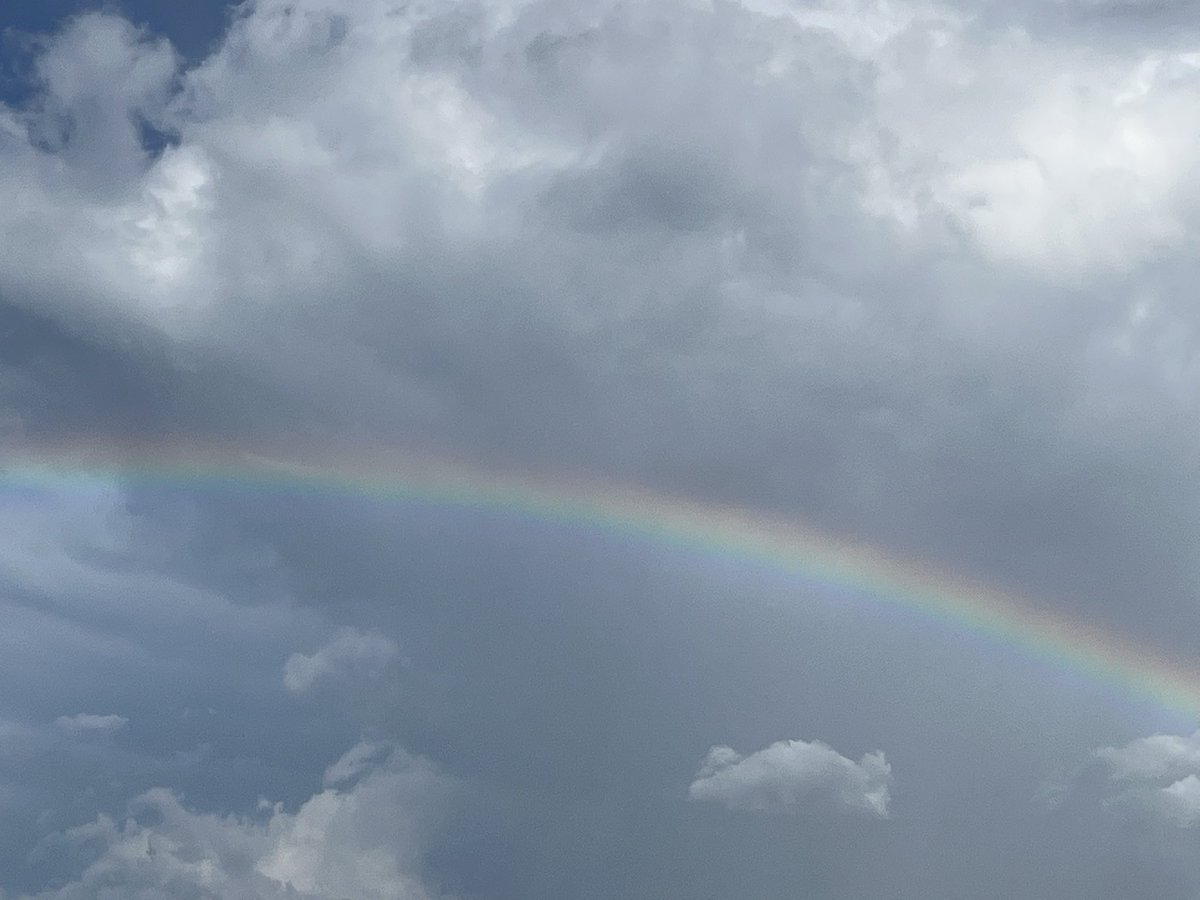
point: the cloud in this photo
(788, 776)
(364, 840)
(351, 652)
(1176, 803)
(917, 272)
(760, 278)
(1180, 801)
(82, 725)
(100, 80)
(1156, 776)
(358, 759)
(1153, 757)
(76, 168)
(802, 272)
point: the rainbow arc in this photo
(670, 521)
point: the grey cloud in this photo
(1156, 756)
(354, 762)
(788, 775)
(1175, 804)
(101, 79)
(798, 335)
(99, 618)
(365, 841)
(350, 652)
(1180, 801)
(804, 297)
(898, 269)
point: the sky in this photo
(915, 276)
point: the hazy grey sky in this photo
(917, 273)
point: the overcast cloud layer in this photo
(917, 273)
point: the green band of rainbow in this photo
(671, 521)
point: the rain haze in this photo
(544, 449)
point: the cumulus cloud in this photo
(100, 79)
(1156, 756)
(791, 775)
(351, 652)
(802, 271)
(764, 229)
(920, 270)
(1180, 802)
(363, 840)
(1157, 775)
(75, 166)
(89, 724)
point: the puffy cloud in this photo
(101, 80)
(1157, 776)
(351, 652)
(1180, 801)
(790, 775)
(1176, 803)
(921, 270)
(1156, 756)
(803, 270)
(363, 840)
(764, 228)
(76, 170)
(90, 724)
(1092, 174)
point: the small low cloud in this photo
(1179, 802)
(351, 653)
(1158, 776)
(790, 775)
(83, 725)
(1156, 756)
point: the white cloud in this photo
(1179, 802)
(1097, 173)
(74, 172)
(1155, 757)
(1157, 776)
(790, 775)
(98, 76)
(326, 139)
(351, 652)
(83, 725)
(364, 841)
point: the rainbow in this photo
(669, 521)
